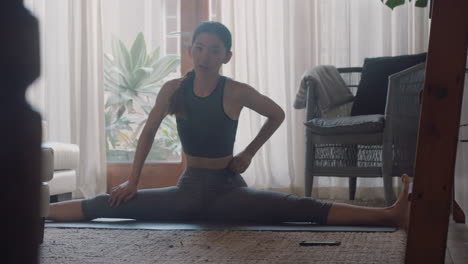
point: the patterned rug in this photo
(153, 246)
(70, 245)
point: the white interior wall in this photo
(461, 165)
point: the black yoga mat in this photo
(119, 223)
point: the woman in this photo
(207, 106)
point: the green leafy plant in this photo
(394, 3)
(132, 80)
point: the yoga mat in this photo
(120, 223)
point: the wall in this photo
(461, 166)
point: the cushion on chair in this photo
(60, 163)
(44, 200)
(371, 95)
(66, 156)
(47, 164)
(64, 181)
(365, 124)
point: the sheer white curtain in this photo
(69, 93)
(125, 19)
(275, 41)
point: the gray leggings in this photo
(208, 194)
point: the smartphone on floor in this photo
(319, 243)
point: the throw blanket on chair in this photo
(330, 87)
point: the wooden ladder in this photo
(438, 133)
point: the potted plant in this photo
(132, 80)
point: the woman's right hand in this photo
(122, 193)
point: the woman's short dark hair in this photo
(176, 105)
(215, 28)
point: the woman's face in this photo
(209, 53)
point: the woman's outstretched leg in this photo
(66, 211)
(247, 204)
(395, 215)
(148, 204)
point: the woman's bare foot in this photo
(401, 208)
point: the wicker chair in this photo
(385, 149)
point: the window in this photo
(141, 46)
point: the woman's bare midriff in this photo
(208, 163)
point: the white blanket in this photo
(330, 87)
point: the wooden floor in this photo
(457, 244)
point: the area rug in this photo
(181, 246)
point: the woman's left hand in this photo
(240, 162)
